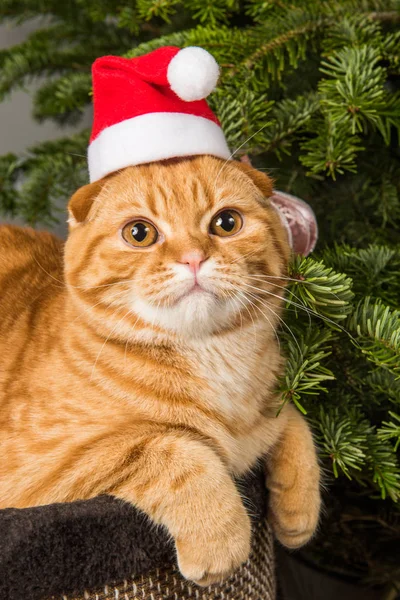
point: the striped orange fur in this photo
(118, 376)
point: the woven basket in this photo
(255, 580)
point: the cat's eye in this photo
(226, 222)
(140, 234)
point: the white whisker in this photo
(287, 291)
(282, 297)
(299, 305)
(251, 316)
(269, 321)
(116, 295)
(242, 256)
(265, 291)
(282, 277)
(287, 279)
(268, 306)
(310, 311)
(49, 274)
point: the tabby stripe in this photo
(86, 258)
(13, 277)
(151, 199)
(69, 463)
(16, 365)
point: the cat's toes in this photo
(293, 531)
(206, 561)
(295, 521)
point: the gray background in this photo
(18, 130)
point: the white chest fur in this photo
(237, 367)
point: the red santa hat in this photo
(152, 108)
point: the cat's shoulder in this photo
(22, 245)
(12, 236)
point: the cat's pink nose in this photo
(193, 260)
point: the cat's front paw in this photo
(211, 557)
(294, 513)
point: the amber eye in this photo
(227, 222)
(140, 234)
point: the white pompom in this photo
(193, 73)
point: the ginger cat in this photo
(140, 359)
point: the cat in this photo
(140, 359)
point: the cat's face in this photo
(185, 245)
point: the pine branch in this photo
(354, 91)
(321, 290)
(148, 9)
(57, 49)
(288, 117)
(383, 198)
(63, 99)
(46, 52)
(335, 10)
(390, 430)
(30, 58)
(304, 373)
(378, 333)
(383, 463)
(276, 47)
(354, 449)
(375, 270)
(212, 12)
(343, 439)
(385, 386)
(333, 150)
(244, 116)
(56, 170)
(23, 10)
(390, 50)
(295, 43)
(96, 10)
(171, 39)
(352, 31)
(9, 196)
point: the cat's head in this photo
(186, 245)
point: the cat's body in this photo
(103, 391)
(67, 399)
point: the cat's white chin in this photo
(197, 314)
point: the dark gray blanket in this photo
(66, 548)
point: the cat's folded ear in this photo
(81, 202)
(261, 180)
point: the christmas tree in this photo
(310, 91)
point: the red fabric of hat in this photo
(152, 108)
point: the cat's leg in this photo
(182, 483)
(293, 478)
